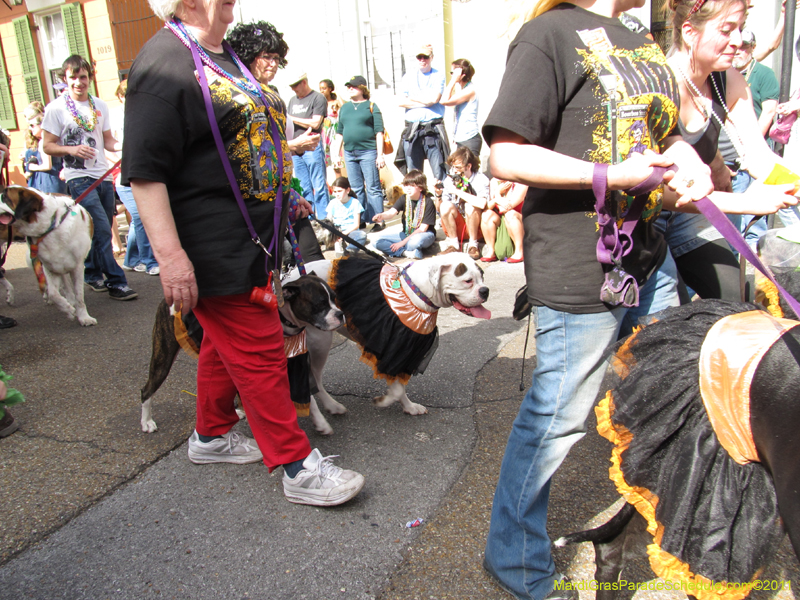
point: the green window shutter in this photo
(27, 56)
(8, 118)
(76, 34)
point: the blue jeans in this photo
(415, 244)
(365, 181)
(416, 153)
(358, 235)
(569, 370)
(311, 171)
(100, 205)
(138, 248)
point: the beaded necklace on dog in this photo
(78, 117)
(733, 135)
(186, 38)
(414, 217)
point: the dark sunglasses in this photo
(422, 57)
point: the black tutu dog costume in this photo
(713, 514)
(397, 339)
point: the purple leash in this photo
(718, 219)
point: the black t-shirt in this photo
(428, 212)
(308, 107)
(168, 139)
(552, 96)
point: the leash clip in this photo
(257, 241)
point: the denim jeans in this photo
(358, 235)
(569, 370)
(138, 248)
(415, 244)
(311, 171)
(100, 205)
(365, 181)
(416, 153)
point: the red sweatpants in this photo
(242, 350)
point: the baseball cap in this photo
(425, 49)
(356, 81)
(298, 77)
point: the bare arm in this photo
(177, 272)
(110, 143)
(46, 163)
(388, 214)
(53, 148)
(314, 122)
(453, 96)
(768, 110)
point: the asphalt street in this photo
(93, 508)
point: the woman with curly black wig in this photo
(262, 48)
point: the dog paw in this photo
(415, 409)
(335, 408)
(87, 321)
(10, 299)
(323, 428)
(149, 426)
(384, 401)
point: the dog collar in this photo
(289, 328)
(414, 288)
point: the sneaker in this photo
(563, 589)
(8, 425)
(140, 268)
(154, 270)
(7, 322)
(377, 227)
(230, 448)
(126, 267)
(320, 483)
(413, 254)
(122, 293)
(97, 286)
(473, 252)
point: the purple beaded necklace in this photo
(78, 117)
(186, 38)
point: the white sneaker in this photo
(140, 268)
(320, 483)
(232, 447)
(154, 271)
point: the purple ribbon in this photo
(226, 164)
(732, 235)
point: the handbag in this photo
(388, 148)
(782, 128)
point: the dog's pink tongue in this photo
(6, 218)
(478, 312)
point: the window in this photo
(54, 48)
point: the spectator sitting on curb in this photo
(418, 218)
(466, 193)
(346, 215)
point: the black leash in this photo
(350, 240)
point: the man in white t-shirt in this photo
(76, 126)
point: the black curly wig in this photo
(249, 40)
